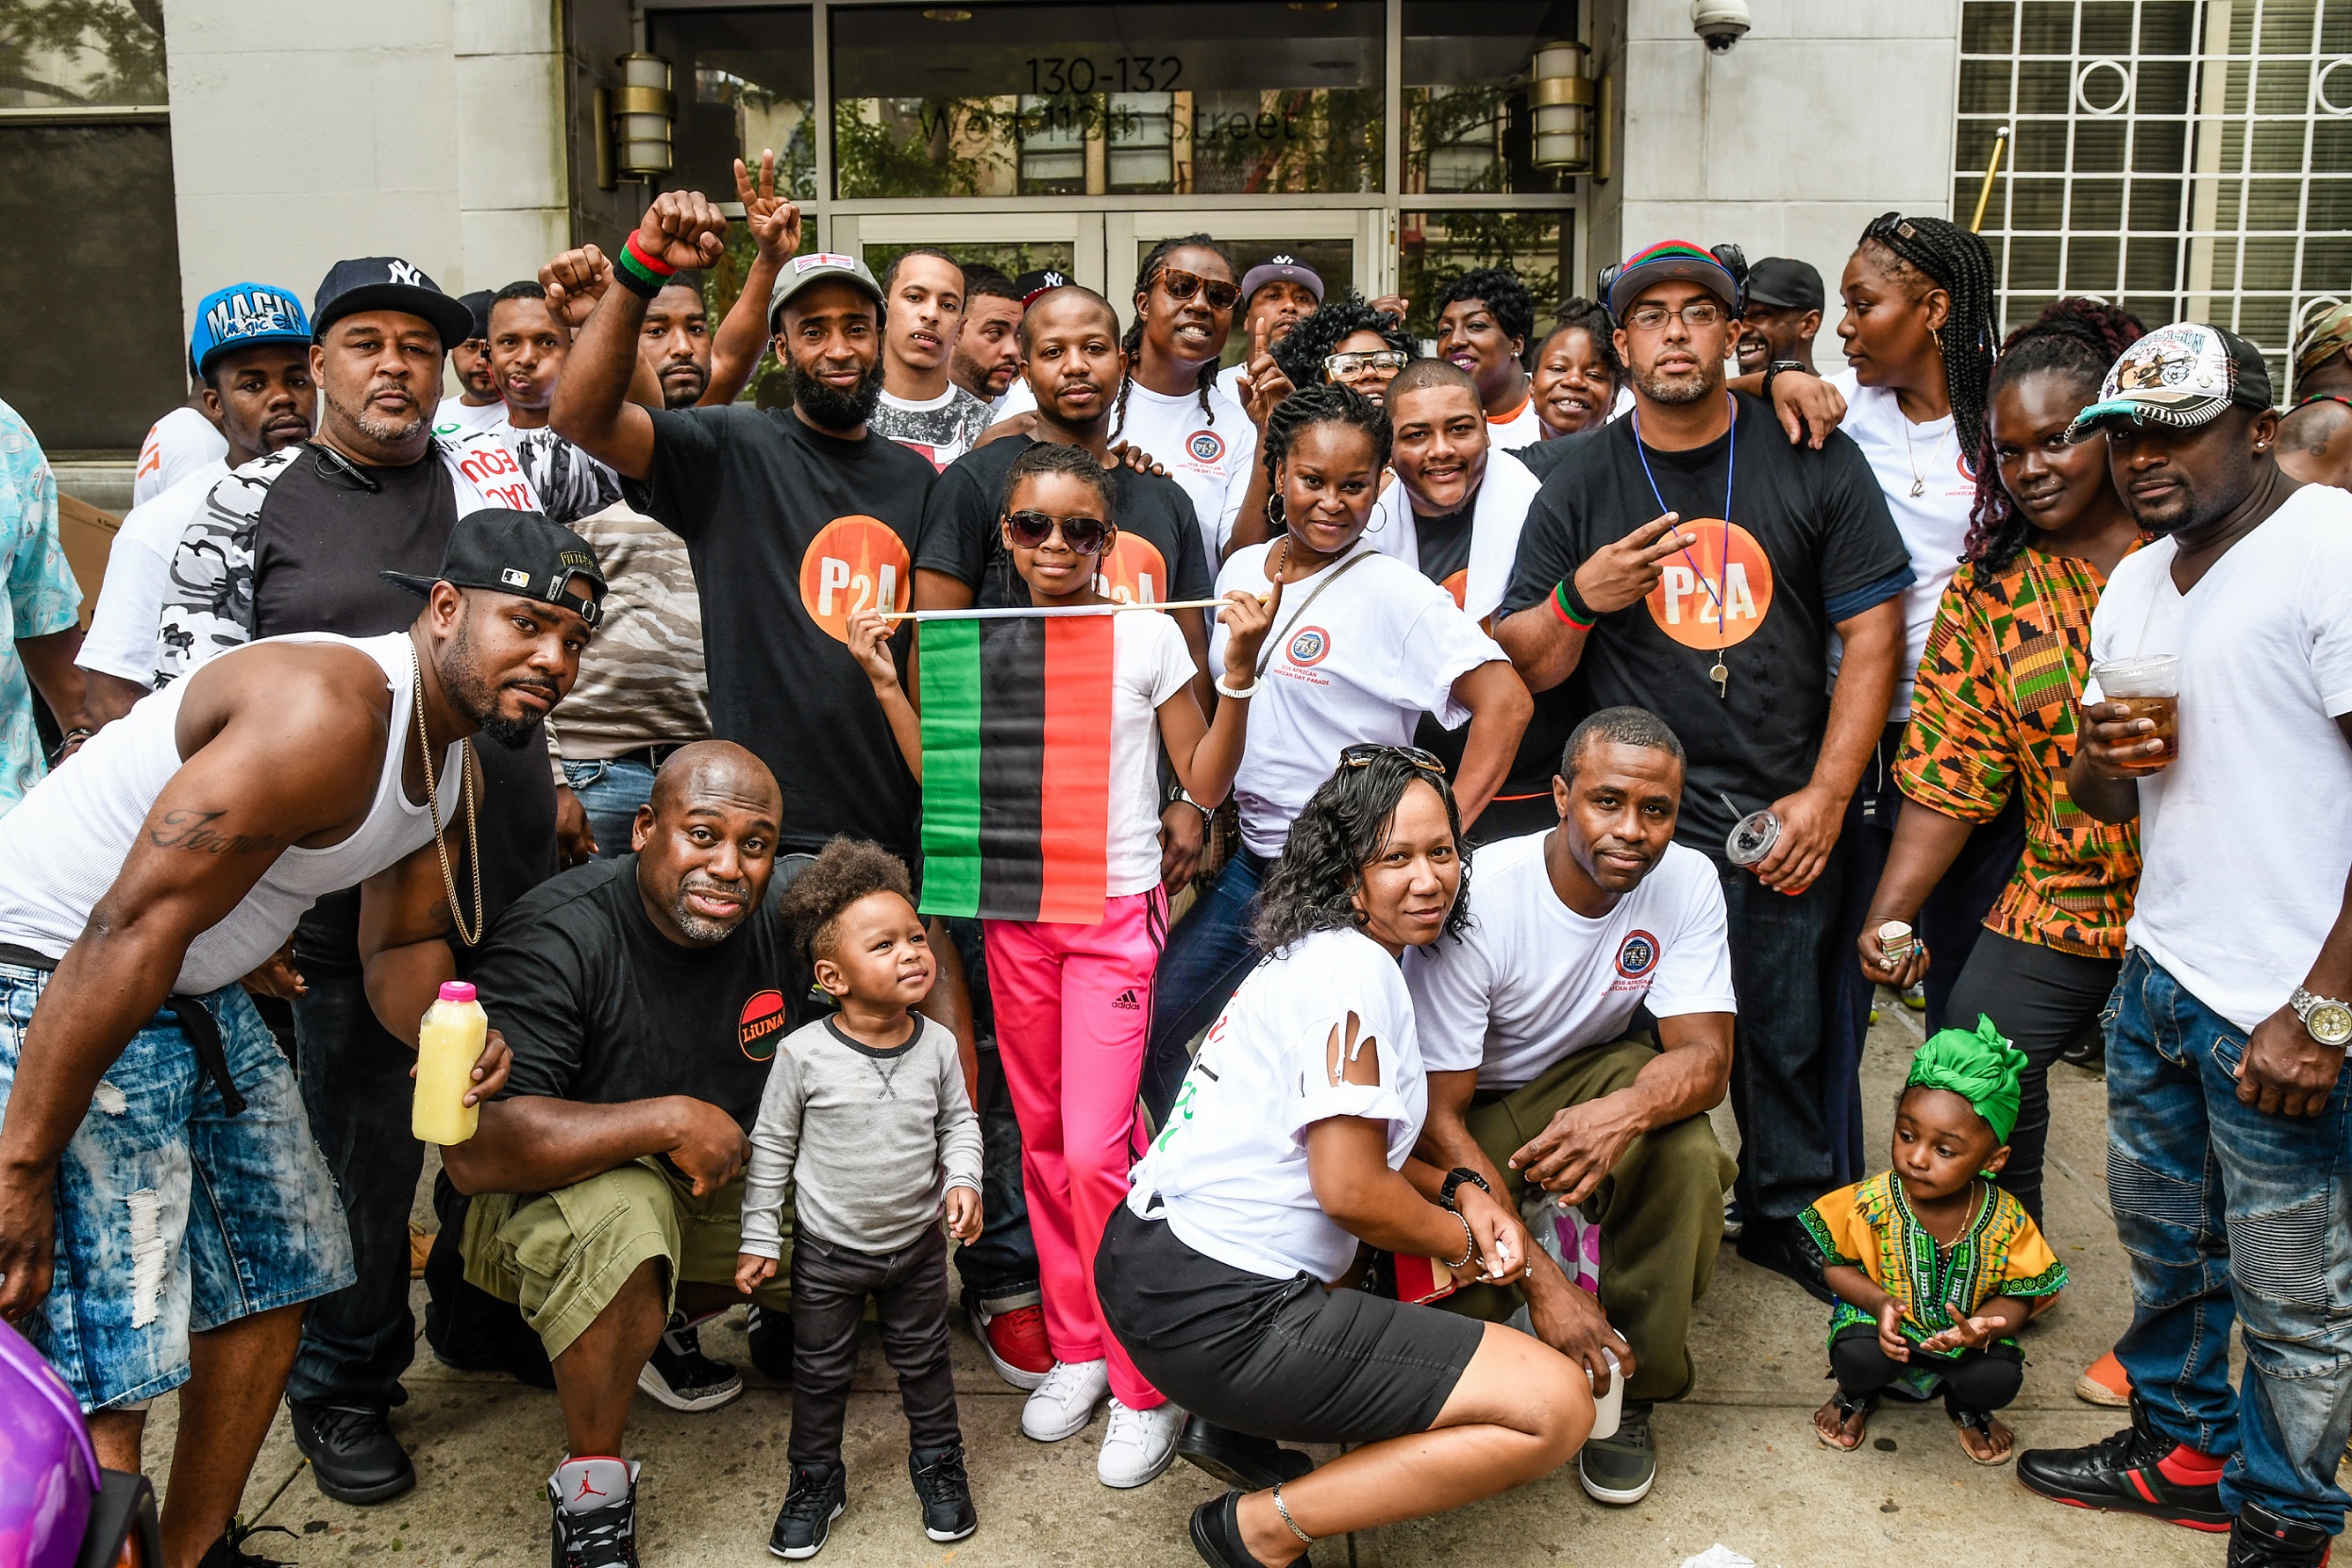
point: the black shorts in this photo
(1275, 1358)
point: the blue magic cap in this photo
(240, 315)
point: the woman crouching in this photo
(1225, 1274)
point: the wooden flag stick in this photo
(1111, 608)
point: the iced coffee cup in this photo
(2146, 687)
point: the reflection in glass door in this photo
(1014, 242)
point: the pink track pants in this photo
(1073, 1011)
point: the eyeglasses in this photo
(1182, 285)
(1698, 313)
(1364, 753)
(1030, 530)
(1355, 363)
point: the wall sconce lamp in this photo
(1560, 97)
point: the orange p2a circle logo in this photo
(762, 1017)
(852, 562)
(1704, 601)
(1134, 572)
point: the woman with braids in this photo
(1363, 645)
(1291, 1146)
(1993, 719)
(1919, 336)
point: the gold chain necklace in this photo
(432, 804)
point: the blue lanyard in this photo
(1720, 587)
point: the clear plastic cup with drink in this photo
(2148, 687)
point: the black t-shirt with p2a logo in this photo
(598, 1006)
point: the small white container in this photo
(1610, 1407)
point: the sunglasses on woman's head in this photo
(1030, 530)
(1182, 285)
(1365, 752)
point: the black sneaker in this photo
(2260, 1538)
(593, 1505)
(1621, 1468)
(945, 1491)
(680, 1375)
(230, 1550)
(816, 1499)
(2119, 1475)
(353, 1456)
(1237, 1458)
(1217, 1536)
(771, 1334)
(1782, 1246)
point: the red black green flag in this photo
(1016, 766)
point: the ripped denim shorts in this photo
(173, 1217)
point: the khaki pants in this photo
(1660, 1212)
(562, 1256)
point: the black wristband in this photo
(643, 287)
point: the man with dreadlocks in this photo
(1919, 334)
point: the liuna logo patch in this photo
(762, 1019)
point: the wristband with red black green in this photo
(640, 273)
(1570, 607)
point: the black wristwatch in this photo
(1454, 1179)
(1777, 366)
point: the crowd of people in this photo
(1517, 745)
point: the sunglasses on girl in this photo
(1030, 530)
(1182, 285)
(1365, 752)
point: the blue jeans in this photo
(1207, 956)
(2229, 1213)
(611, 792)
(998, 1271)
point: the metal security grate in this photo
(2191, 159)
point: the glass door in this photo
(1015, 243)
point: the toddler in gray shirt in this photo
(866, 1118)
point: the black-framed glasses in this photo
(1354, 362)
(1030, 530)
(1698, 313)
(1889, 225)
(1182, 285)
(1364, 753)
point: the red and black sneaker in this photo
(2267, 1540)
(2138, 1470)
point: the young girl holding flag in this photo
(1074, 1001)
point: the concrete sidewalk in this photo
(1738, 1463)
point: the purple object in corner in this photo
(48, 1471)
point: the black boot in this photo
(2120, 1475)
(2260, 1538)
(353, 1456)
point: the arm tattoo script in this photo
(194, 830)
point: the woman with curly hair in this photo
(1349, 342)
(1994, 716)
(1290, 1146)
(1485, 321)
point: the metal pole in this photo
(1992, 168)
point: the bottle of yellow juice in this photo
(446, 1049)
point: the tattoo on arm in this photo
(192, 830)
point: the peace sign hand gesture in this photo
(774, 222)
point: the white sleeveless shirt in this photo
(65, 843)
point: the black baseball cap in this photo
(478, 303)
(522, 553)
(1030, 285)
(1785, 284)
(388, 283)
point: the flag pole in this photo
(1059, 610)
(1992, 169)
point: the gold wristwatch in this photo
(2329, 1021)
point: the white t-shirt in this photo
(1211, 459)
(1229, 382)
(2234, 904)
(453, 420)
(1375, 650)
(1231, 1168)
(121, 640)
(1533, 981)
(1524, 428)
(1934, 524)
(1149, 664)
(177, 444)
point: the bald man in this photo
(643, 997)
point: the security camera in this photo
(1719, 22)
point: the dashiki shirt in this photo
(1994, 709)
(1870, 1227)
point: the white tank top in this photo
(64, 844)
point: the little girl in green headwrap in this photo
(1935, 1267)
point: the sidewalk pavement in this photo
(1737, 1460)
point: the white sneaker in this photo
(1066, 1401)
(1138, 1444)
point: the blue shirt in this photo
(42, 596)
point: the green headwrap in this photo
(1978, 1065)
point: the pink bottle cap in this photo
(457, 992)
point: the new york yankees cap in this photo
(1030, 285)
(1281, 269)
(388, 283)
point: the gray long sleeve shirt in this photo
(871, 1140)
